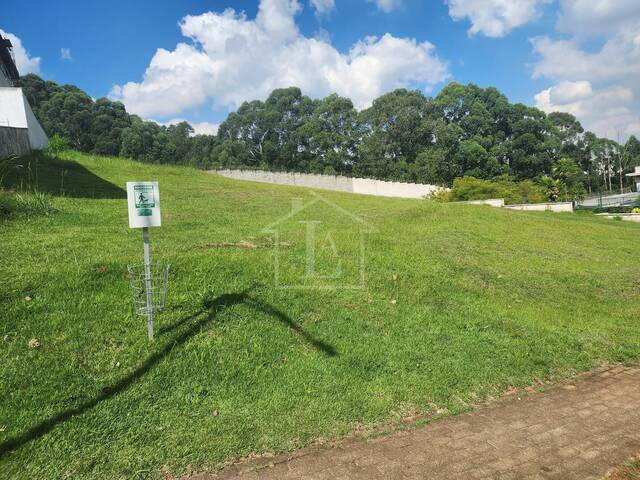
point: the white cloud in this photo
(619, 57)
(323, 7)
(205, 128)
(601, 86)
(233, 59)
(494, 18)
(567, 92)
(586, 17)
(24, 63)
(387, 6)
(65, 54)
(607, 112)
(199, 128)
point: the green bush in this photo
(35, 203)
(6, 164)
(471, 188)
(530, 192)
(57, 145)
(440, 195)
(26, 204)
(8, 204)
(612, 210)
(570, 180)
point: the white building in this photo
(20, 131)
(635, 175)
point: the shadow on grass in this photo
(57, 177)
(244, 297)
(196, 321)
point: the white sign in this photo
(144, 204)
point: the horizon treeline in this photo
(406, 136)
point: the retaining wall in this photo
(364, 186)
(537, 207)
(492, 202)
(631, 217)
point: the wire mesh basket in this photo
(157, 280)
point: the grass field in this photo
(459, 303)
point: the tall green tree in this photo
(464, 131)
(327, 141)
(569, 173)
(394, 131)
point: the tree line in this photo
(406, 136)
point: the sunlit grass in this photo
(459, 302)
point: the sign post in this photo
(144, 212)
(147, 281)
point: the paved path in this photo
(569, 432)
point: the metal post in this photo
(147, 278)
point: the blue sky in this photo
(556, 54)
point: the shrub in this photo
(612, 210)
(6, 164)
(440, 195)
(57, 145)
(35, 203)
(531, 192)
(26, 204)
(8, 204)
(567, 172)
(554, 188)
(471, 188)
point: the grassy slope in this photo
(486, 298)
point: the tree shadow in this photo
(265, 308)
(196, 321)
(324, 347)
(55, 176)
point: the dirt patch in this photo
(248, 244)
(241, 244)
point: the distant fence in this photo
(364, 186)
(612, 200)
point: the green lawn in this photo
(459, 303)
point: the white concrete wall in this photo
(364, 186)
(12, 112)
(392, 189)
(537, 207)
(492, 202)
(16, 113)
(631, 217)
(37, 138)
